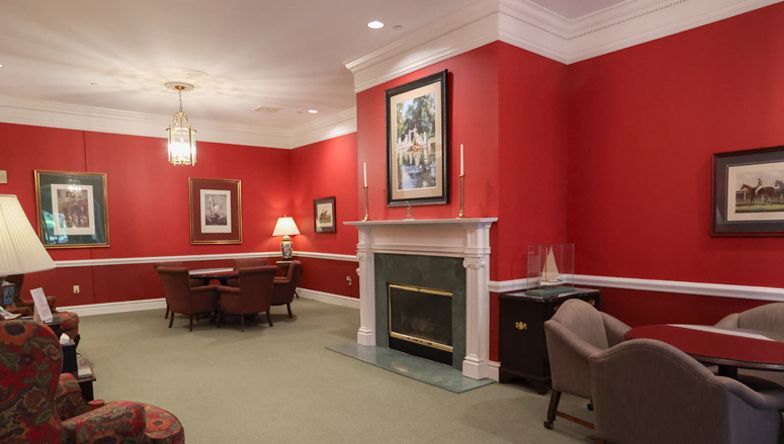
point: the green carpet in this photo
(279, 384)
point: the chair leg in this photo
(288, 307)
(555, 398)
(242, 322)
(171, 318)
(166, 315)
(190, 322)
(269, 318)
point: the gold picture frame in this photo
(215, 207)
(72, 209)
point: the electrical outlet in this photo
(76, 289)
(349, 281)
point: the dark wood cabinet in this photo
(523, 349)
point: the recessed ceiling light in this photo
(1, 66)
(313, 111)
(375, 24)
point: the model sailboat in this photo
(550, 274)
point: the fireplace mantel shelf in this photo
(455, 221)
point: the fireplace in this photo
(420, 321)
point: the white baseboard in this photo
(116, 307)
(492, 370)
(329, 298)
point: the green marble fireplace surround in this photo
(445, 273)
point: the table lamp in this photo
(21, 251)
(286, 227)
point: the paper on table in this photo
(42, 310)
(724, 331)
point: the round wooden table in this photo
(730, 349)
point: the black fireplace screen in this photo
(421, 315)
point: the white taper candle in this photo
(364, 174)
(462, 165)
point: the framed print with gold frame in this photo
(72, 209)
(215, 211)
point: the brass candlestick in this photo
(461, 213)
(366, 203)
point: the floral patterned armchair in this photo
(36, 407)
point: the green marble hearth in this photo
(423, 370)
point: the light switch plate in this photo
(3, 176)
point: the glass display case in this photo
(550, 266)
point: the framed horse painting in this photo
(748, 193)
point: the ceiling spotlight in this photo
(375, 24)
(313, 111)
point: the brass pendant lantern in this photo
(182, 137)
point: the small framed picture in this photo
(417, 142)
(72, 209)
(215, 211)
(324, 217)
(748, 193)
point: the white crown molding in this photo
(529, 26)
(89, 118)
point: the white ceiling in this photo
(574, 9)
(282, 54)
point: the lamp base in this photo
(286, 248)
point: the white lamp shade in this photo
(20, 249)
(285, 227)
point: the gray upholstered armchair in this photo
(575, 332)
(770, 318)
(646, 391)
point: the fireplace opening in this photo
(420, 321)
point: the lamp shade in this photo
(20, 249)
(285, 227)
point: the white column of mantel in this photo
(366, 335)
(476, 263)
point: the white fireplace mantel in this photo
(468, 238)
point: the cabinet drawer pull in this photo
(520, 325)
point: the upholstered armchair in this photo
(245, 263)
(30, 361)
(285, 286)
(766, 318)
(69, 322)
(252, 296)
(184, 299)
(646, 391)
(195, 281)
(575, 332)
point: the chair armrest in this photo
(119, 419)
(68, 398)
(615, 329)
(203, 288)
(729, 321)
(568, 355)
(768, 399)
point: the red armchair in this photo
(285, 286)
(252, 296)
(245, 263)
(184, 299)
(30, 361)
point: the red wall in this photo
(643, 125)
(324, 169)
(148, 202)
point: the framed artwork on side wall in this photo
(72, 209)
(748, 193)
(215, 211)
(417, 142)
(324, 216)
